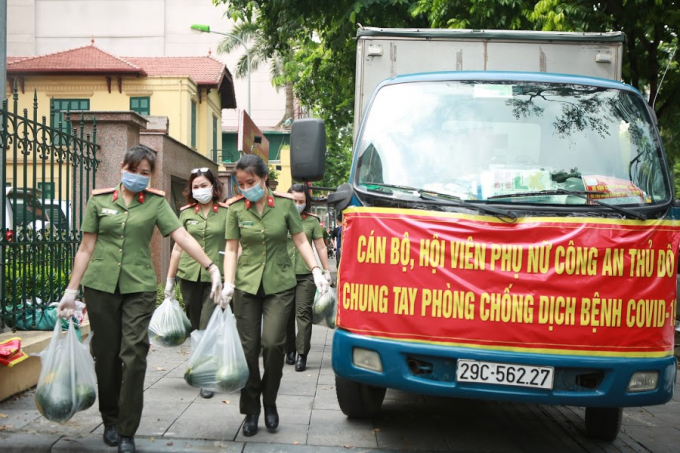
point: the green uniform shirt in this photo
(209, 233)
(264, 258)
(122, 255)
(313, 230)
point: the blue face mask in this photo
(254, 193)
(134, 182)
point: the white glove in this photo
(170, 288)
(67, 305)
(327, 276)
(319, 280)
(216, 279)
(227, 294)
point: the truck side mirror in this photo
(341, 198)
(308, 149)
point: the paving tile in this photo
(294, 401)
(147, 445)
(326, 399)
(657, 439)
(157, 417)
(407, 434)
(20, 442)
(333, 428)
(171, 389)
(203, 421)
(300, 387)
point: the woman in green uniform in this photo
(263, 282)
(113, 264)
(305, 289)
(205, 218)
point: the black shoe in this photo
(207, 394)
(126, 445)
(271, 418)
(290, 358)
(250, 425)
(110, 435)
(301, 364)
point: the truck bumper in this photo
(431, 369)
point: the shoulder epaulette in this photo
(235, 199)
(283, 194)
(315, 216)
(155, 191)
(103, 191)
(187, 206)
(223, 204)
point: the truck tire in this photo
(603, 422)
(358, 400)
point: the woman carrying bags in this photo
(263, 282)
(119, 282)
(305, 289)
(205, 218)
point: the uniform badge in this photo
(107, 211)
(246, 224)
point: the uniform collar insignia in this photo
(197, 208)
(115, 195)
(248, 204)
(140, 197)
(215, 207)
(270, 201)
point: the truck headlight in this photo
(643, 381)
(365, 358)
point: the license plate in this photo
(505, 374)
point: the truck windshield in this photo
(530, 143)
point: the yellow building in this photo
(190, 91)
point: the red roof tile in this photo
(87, 59)
(202, 70)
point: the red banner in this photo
(597, 287)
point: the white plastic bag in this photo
(67, 382)
(169, 325)
(324, 308)
(217, 361)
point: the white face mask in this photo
(300, 208)
(203, 195)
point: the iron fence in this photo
(48, 172)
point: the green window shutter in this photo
(59, 109)
(229, 147)
(141, 105)
(47, 189)
(214, 145)
(193, 124)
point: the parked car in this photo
(60, 213)
(25, 211)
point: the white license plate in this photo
(505, 374)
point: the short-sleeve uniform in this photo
(120, 294)
(195, 285)
(304, 291)
(122, 255)
(265, 290)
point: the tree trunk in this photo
(288, 114)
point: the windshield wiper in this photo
(576, 193)
(444, 199)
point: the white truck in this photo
(509, 225)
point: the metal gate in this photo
(48, 171)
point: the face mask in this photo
(134, 182)
(203, 195)
(254, 193)
(300, 208)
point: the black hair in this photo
(252, 163)
(302, 188)
(135, 155)
(217, 186)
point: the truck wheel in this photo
(358, 400)
(603, 422)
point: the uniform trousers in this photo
(197, 302)
(120, 344)
(261, 321)
(304, 299)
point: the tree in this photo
(249, 32)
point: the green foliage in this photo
(273, 174)
(160, 295)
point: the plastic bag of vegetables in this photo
(217, 361)
(67, 382)
(324, 308)
(169, 325)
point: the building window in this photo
(193, 124)
(140, 105)
(47, 189)
(8, 184)
(59, 109)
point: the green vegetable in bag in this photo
(54, 402)
(324, 308)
